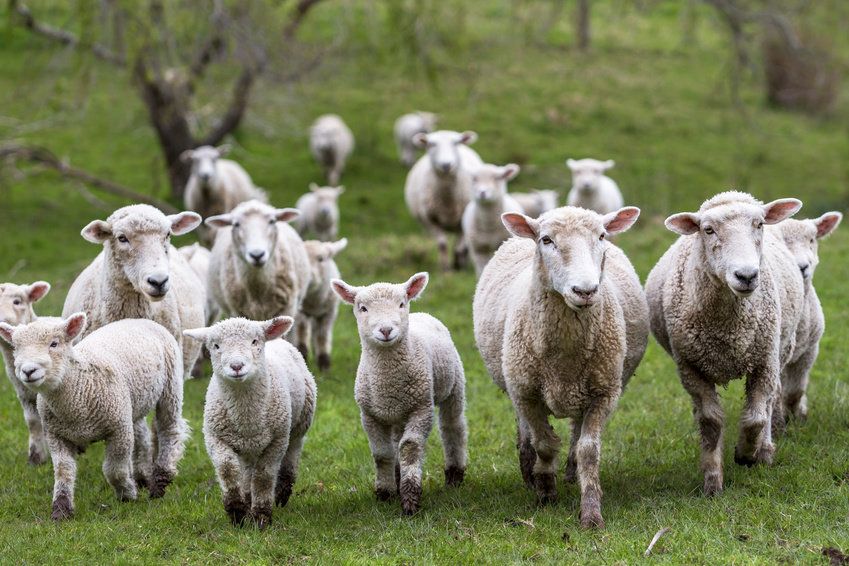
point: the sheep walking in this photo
(408, 364)
(102, 389)
(259, 406)
(406, 128)
(319, 217)
(16, 303)
(591, 188)
(536, 202)
(561, 322)
(725, 302)
(331, 143)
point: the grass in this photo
(657, 106)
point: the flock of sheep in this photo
(560, 318)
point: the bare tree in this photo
(582, 24)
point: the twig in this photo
(654, 540)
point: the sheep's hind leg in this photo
(453, 430)
(118, 466)
(795, 385)
(142, 454)
(288, 471)
(38, 452)
(570, 475)
(527, 454)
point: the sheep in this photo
(482, 227)
(321, 305)
(437, 188)
(408, 364)
(259, 267)
(16, 303)
(561, 322)
(725, 300)
(408, 126)
(536, 202)
(102, 388)
(198, 258)
(319, 213)
(331, 143)
(591, 188)
(216, 185)
(259, 406)
(139, 274)
(801, 237)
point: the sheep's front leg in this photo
(546, 444)
(795, 384)
(171, 432)
(442, 243)
(754, 445)
(63, 455)
(411, 454)
(324, 339)
(461, 253)
(527, 454)
(384, 453)
(142, 454)
(38, 452)
(453, 430)
(264, 478)
(302, 329)
(288, 471)
(229, 473)
(709, 416)
(588, 457)
(118, 463)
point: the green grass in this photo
(658, 107)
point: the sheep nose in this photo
(746, 276)
(237, 366)
(257, 255)
(29, 370)
(804, 269)
(158, 281)
(585, 292)
(386, 331)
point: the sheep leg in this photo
(288, 471)
(709, 416)
(588, 457)
(397, 433)
(118, 464)
(229, 471)
(333, 175)
(453, 430)
(246, 481)
(264, 478)
(38, 452)
(527, 454)
(171, 432)
(411, 454)
(461, 253)
(384, 453)
(142, 454)
(302, 330)
(546, 443)
(442, 244)
(63, 455)
(754, 445)
(571, 473)
(324, 339)
(795, 384)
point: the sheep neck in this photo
(246, 399)
(387, 359)
(258, 277)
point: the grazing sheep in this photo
(482, 227)
(406, 127)
(16, 308)
(319, 213)
(536, 202)
(216, 185)
(591, 188)
(437, 188)
(139, 274)
(408, 365)
(259, 406)
(331, 143)
(321, 305)
(801, 237)
(198, 258)
(725, 301)
(102, 389)
(561, 322)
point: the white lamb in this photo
(406, 127)
(331, 143)
(102, 389)
(16, 308)
(319, 217)
(216, 185)
(408, 364)
(139, 274)
(438, 188)
(591, 188)
(198, 258)
(482, 227)
(536, 202)
(561, 322)
(259, 406)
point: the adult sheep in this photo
(591, 188)
(406, 128)
(331, 143)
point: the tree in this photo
(582, 24)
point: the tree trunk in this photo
(582, 24)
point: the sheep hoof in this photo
(62, 508)
(261, 517)
(284, 489)
(323, 362)
(527, 459)
(454, 476)
(302, 348)
(591, 519)
(383, 494)
(36, 457)
(712, 485)
(411, 495)
(237, 511)
(743, 460)
(546, 488)
(142, 482)
(161, 480)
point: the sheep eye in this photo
(123, 239)
(709, 230)
(255, 342)
(16, 302)
(812, 240)
(760, 225)
(401, 306)
(363, 308)
(546, 240)
(272, 222)
(54, 344)
(216, 346)
(235, 224)
(601, 237)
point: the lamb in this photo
(216, 185)
(591, 188)
(139, 274)
(102, 389)
(331, 143)
(406, 127)
(725, 301)
(561, 322)
(321, 305)
(438, 187)
(319, 213)
(408, 365)
(259, 405)
(482, 226)
(536, 202)
(801, 237)
(259, 267)
(198, 258)
(16, 303)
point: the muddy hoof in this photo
(237, 511)
(383, 494)
(546, 488)
(62, 508)
(323, 362)
(161, 479)
(36, 457)
(261, 518)
(592, 519)
(712, 485)
(411, 496)
(454, 476)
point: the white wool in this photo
(591, 188)
(331, 143)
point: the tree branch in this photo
(238, 105)
(301, 10)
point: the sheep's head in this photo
(137, 241)
(802, 238)
(382, 310)
(320, 254)
(43, 348)
(730, 232)
(428, 119)
(547, 199)
(587, 173)
(254, 229)
(16, 301)
(442, 148)
(204, 160)
(571, 245)
(327, 211)
(489, 182)
(237, 345)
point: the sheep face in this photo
(428, 120)
(802, 238)
(547, 199)
(571, 247)
(382, 310)
(489, 182)
(137, 241)
(237, 345)
(326, 210)
(442, 149)
(254, 229)
(587, 173)
(16, 301)
(730, 235)
(321, 252)
(204, 162)
(43, 349)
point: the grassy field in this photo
(642, 96)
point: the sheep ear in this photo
(781, 209)
(415, 285)
(187, 155)
(827, 223)
(420, 140)
(609, 164)
(6, 330)
(277, 327)
(468, 137)
(97, 231)
(347, 293)
(184, 222)
(340, 189)
(509, 171)
(338, 246)
(219, 221)
(74, 325)
(198, 334)
(286, 214)
(684, 223)
(223, 149)
(619, 221)
(571, 164)
(520, 225)
(37, 290)
(314, 187)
